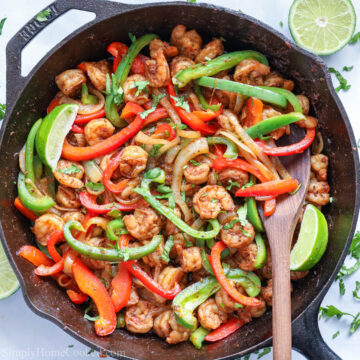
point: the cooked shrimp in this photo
(190, 259)
(169, 276)
(67, 197)
(132, 161)
(251, 71)
(225, 302)
(45, 225)
(298, 275)
(154, 259)
(131, 91)
(257, 310)
(157, 71)
(309, 123)
(170, 228)
(128, 193)
(73, 215)
(210, 315)
(166, 326)
(266, 292)
(237, 176)
(210, 51)
(318, 192)
(180, 63)
(188, 42)
(139, 317)
(269, 112)
(98, 130)
(197, 171)
(143, 224)
(238, 236)
(69, 173)
(70, 81)
(210, 200)
(305, 103)
(96, 71)
(274, 79)
(319, 164)
(246, 257)
(157, 45)
(134, 297)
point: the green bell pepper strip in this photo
(231, 149)
(100, 253)
(121, 75)
(206, 262)
(114, 229)
(253, 214)
(30, 200)
(194, 295)
(86, 98)
(29, 151)
(290, 97)
(158, 175)
(268, 125)
(198, 336)
(261, 256)
(212, 67)
(244, 89)
(204, 104)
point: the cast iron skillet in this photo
(28, 97)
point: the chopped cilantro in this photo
(132, 37)
(354, 252)
(192, 1)
(343, 82)
(281, 24)
(222, 39)
(348, 68)
(140, 85)
(265, 351)
(214, 201)
(90, 351)
(342, 287)
(181, 103)
(95, 186)
(2, 111)
(183, 196)
(336, 334)
(114, 89)
(240, 11)
(355, 292)
(195, 163)
(156, 100)
(155, 150)
(70, 346)
(72, 169)
(167, 248)
(2, 22)
(231, 184)
(355, 38)
(43, 15)
(182, 126)
(87, 316)
(237, 306)
(330, 311)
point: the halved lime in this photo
(52, 132)
(8, 281)
(322, 26)
(312, 240)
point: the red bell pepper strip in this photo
(163, 128)
(190, 119)
(55, 238)
(53, 104)
(89, 202)
(140, 274)
(130, 110)
(106, 178)
(80, 153)
(44, 270)
(215, 260)
(83, 119)
(254, 108)
(121, 285)
(225, 329)
(90, 285)
(75, 297)
(34, 255)
(158, 114)
(296, 148)
(77, 129)
(206, 115)
(270, 188)
(24, 210)
(222, 163)
(269, 207)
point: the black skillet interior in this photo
(28, 98)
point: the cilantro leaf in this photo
(355, 292)
(336, 334)
(354, 250)
(330, 311)
(2, 111)
(140, 85)
(155, 150)
(266, 351)
(90, 351)
(242, 213)
(156, 100)
(72, 169)
(195, 163)
(343, 82)
(182, 126)
(342, 287)
(114, 89)
(192, 1)
(231, 184)
(95, 186)
(2, 22)
(167, 248)
(355, 38)
(43, 15)
(281, 24)
(355, 323)
(181, 103)
(348, 68)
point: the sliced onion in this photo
(22, 161)
(84, 109)
(198, 223)
(263, 198)
(167, 105)
(192, 150)
(54, 210)
(142, 138)
(169, 146)
(68, 261)
(318, 145)
(194, 99)
(64, 280)
(225, 217)
(244, 151)
(171, 154)
(188, 134)
(92, 171)
(61, 208)
(127, 202)
(98, 221)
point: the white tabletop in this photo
(23, 334)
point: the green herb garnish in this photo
(95, 186)
(2, 22)
(72, 169)
(181, 103)
(43, 15)
(156, 100)
(140, 85)
(167, 248)
(343, 82)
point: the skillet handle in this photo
(101, 8)
(307, 338)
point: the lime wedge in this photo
(52, 132)
(312, 240)
(8, 281)
(322, 26)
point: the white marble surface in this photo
(24, 335)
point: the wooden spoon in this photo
(279, 229)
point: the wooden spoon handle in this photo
(281, 311)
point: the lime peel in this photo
(8, 282)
